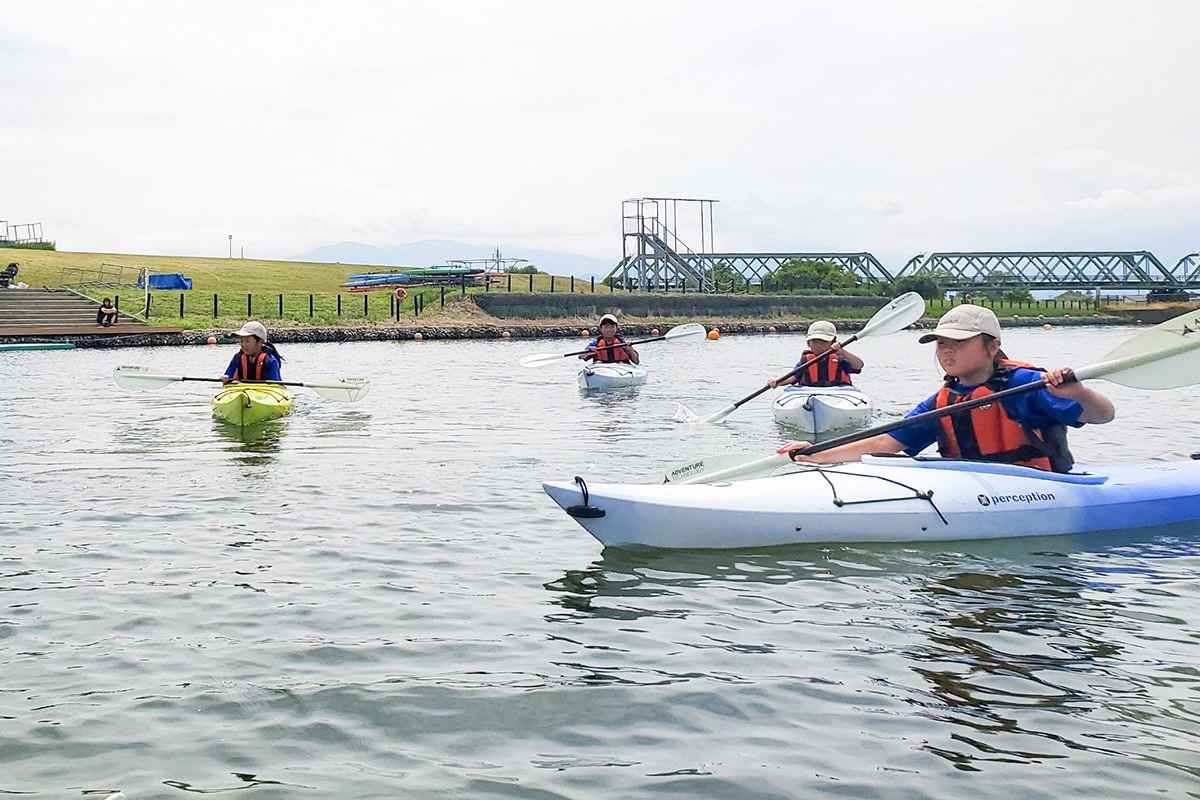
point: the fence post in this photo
(531, 282)
(181, 305)
(551, 284)
(339, 304)
(464, 284)
(572, 284)
(281, 306)
(510, 281)
(310, 306)
(593, 284)
(214, 305)
(249, 305)
(443, 295)
(366, 295)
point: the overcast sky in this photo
(890, 127)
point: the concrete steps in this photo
(51, 308)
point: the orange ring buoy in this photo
(401, 293)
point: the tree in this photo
(803, 273)
(725, 278)
(528, 269)
(924, 284)
(999, 285)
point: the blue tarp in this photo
(172, 281)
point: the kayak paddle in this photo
(1166, 356)
(342, 390)
(685, 332)
(896, 315)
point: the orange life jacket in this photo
(250, 368)
(988, 433)
(612, 354)
(826, 372)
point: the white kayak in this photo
(817, 410)
(611, 376)
(887, 499)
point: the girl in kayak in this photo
(1027, 429)
(258, 360)
(833, 370)
(596, 350)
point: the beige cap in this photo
(825, 331)
(609, 318)
(253, 329)
(963, 322)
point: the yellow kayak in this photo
(250, 403)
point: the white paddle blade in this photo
(723, 467)
(341, 390)
(1166, 356)
(720, 415)
(895, 316)
(541, 359)
(141, 378)
(689, 330)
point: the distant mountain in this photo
(434, 252)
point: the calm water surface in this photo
(376, 600)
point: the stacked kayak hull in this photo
(887, 500)
(251, 403)
(611, 376)
(817, 410)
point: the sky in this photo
(889, 127)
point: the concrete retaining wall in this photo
(503, 305)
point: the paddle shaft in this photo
(610, 346)
(936, 413)
(272, 383)
(805, 365)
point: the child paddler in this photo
(598, 352)
(834, 369)
(1027, 429)
(258, 359)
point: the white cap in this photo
(253, 329)
(963, 322)
(609, 318)
(823, 330)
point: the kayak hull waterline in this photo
(251, 403)
(817, 410)
(887, 500)
(611, 376)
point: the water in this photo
(376, 600)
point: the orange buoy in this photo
(771, 329)
(654, 331)
(212, 340)
(418, 336)
(1047, 326)
(505, 335)
(714, 334)
(584, 333)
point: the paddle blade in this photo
(1166, 356)
(723, 467)
(895, 316)
(141, 378)
(684, 414)
(689, 330)
(720, 415)
(340, 390)
(541, 359)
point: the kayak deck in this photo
(251, 403)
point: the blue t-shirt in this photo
(270, 368)
(1036, 408)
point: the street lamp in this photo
(231, 245)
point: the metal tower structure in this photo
(494, 265)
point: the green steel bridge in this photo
(655, 258)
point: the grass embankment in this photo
(232, 279)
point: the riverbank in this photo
(542, 329)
